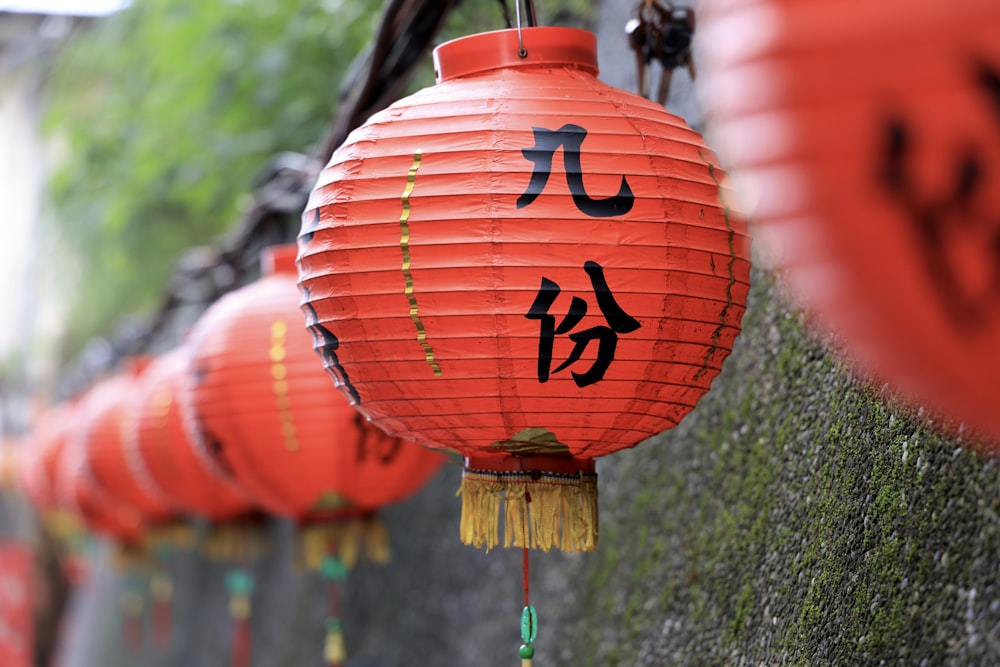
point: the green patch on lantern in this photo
(533, 441)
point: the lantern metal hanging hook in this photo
(529, 10)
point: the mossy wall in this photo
(796, 517)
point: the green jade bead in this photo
(527, 651)
(239, 582)
(529, 624)
(333, 569)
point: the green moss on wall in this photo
(796, 517)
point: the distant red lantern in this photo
(17, 601)
(45, 446)
(79, 493)
(104, 434)
(290, 439)
(527, 266)
(159, 446)
(871, 134)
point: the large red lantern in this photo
(527, 266)
(289, 438)
(159, 446)
(870, 132)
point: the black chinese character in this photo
(373, 443)
(570, 137)
(938, 219)
(618, 320)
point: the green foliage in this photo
(168, 110)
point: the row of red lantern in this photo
(241, 419)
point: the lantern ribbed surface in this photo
(82, 495)
(48, 442)
(158, 445)
(104, 424)
(290, 439)
(870, 133)
(525, 265)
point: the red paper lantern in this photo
(288, 437)
(17, 604)
(38, 468)
(80, 494)
(158, 445)
(103, 426)
(527, 266)
(871, 134)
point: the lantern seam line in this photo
(730, 268)
(404, 244)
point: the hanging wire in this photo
(529, 10)
(529, 618)
(521, 51)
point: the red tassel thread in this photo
(162, 591)
(240, 585)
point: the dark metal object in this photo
(661, 32)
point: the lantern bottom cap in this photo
(539, 510)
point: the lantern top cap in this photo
(545, 46)
(279, 259)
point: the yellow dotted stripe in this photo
(279, 375)
(404, 243)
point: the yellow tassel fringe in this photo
(236, 541)
(345, 538)
(334, 651)
(174, 535)
(553, 511)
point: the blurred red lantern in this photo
(158, 444)
(528, 266)
(80, 494)
(17, 603)
(46, 445)
(871, 135)
(104, 430)
(290, 439)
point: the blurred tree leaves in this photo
(168, 109)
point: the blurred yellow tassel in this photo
(160, 587)
(376, 540)
(525, 662)
(346, 539)
(131, 558)
(176, 535)
(237, 541)
(239, 607)
(333, 650)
